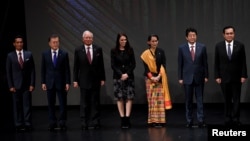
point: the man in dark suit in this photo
(20, 70)
(192, 74)
(89, 75)
(55, 77)
(230, 72)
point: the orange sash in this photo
(149, 59)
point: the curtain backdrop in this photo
(137, 18)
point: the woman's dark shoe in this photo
(128, 124)
(125, 122)
(122, 122)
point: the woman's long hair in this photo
(127, 46)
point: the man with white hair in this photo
(89, 75)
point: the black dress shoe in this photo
(20, 129)
(229, 123)
(202, 125)
(28, 128)
(63, 127)
(189, 125)
(236, 123)
(239, 123)
(85, 128)
(97, 126)
(52, 127)
(94, 126)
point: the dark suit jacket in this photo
(230, 70)
(59, 75)
(88, 75)
(17, 77)
(189, 70)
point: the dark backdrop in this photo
(37, 19)
(12, 22)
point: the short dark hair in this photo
(17, 36)
(190, 29)
(153, 35)
(53, 36)
(227, 27)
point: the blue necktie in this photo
(229, 52)
(54, 59)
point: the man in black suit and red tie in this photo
(21, 74)
(89, 75)
(230, 72)
(193, 74)
(55, 77)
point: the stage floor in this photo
(110, 130)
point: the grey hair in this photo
(87, 32)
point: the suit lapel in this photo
(15, 56)
(59, 56)
(197, 50)
(50, 57)
(25, 57)
(225, 50)
(187, 50)
(83, 50)
(94, 53)
(235, 48)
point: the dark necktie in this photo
(192, 52)
(229, 52)
(20, 59)
(88, 54)
(54, 59)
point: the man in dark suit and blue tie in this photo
(21, 74)
(192, 74)
(230, 72)
(89, 75)
(55, 77)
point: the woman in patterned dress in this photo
(158, 96)
(123, 64)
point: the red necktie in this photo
(192, 52)
(20, 59)
(88, 55)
